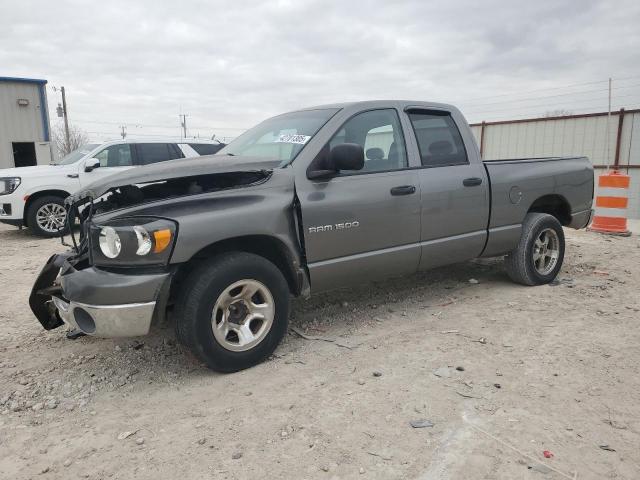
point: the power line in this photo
(149, 125)
(552, 96)
(555, 104)
(592, 109)
(555, 88)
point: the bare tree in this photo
(558, 113)
(77, 138)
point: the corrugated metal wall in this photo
(19, 123)
(574, 135)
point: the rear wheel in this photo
(47, 217)
(538, 257)
(233, 310)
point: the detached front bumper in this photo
(127, 320)
(98, 302)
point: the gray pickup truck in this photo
(307, 201)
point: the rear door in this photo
(365, 224)
(454, 190)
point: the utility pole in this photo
(123, 131)
(62, 112)
(66, 118)
(183, 124)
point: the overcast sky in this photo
(229, 65)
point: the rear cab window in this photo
(438, 137)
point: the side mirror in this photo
(345, 156)
(91, 164)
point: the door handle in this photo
(472, 182)
(403, 190)
(72, 175)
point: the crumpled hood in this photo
(180, 168)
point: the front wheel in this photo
(538, 257)
(47, 216)
(233, 310)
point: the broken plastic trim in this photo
(129, 195)
(74, 212)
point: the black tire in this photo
(198, 296)
(32, 211)
(520, 264)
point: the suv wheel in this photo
(47, 217)
(538, 257)
(232, 311)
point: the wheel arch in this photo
(555, 205)
(266, 246)
(39, 194)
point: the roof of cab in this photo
(366, 104)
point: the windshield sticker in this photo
(288, 138)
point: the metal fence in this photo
(607, 140)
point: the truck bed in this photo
(523, 184)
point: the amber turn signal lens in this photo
(162, 240)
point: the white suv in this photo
(34, 196)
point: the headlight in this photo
(110, 243)
(8, 185)
(133, 241)
(144, 240)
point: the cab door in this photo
(365, 224)
(454, 191)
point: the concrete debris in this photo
(422, 423)
(442, 372)
(539, 467)
(124, 435)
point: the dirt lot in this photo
(503, 372)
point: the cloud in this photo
(230, 64)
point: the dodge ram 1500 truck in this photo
(307, 201)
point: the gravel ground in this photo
(502, 372)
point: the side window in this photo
(439, 139)
(115, 156)
(380, 134)
(157, 152)
(206, 148)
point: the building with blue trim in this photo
(24, 123)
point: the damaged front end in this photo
(115, 279)
(47, 286)
(73, 288)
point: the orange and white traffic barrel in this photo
(611, 204)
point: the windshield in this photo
(282, 137)
(76, 155)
